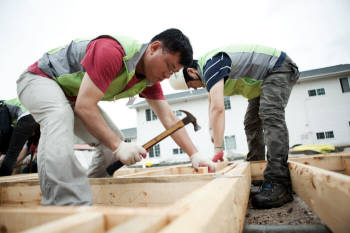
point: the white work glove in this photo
(199, 160)
(129, 153)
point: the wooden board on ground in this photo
(173, 194)
(177, 199)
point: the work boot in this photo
(271, 195)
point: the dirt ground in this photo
(294, 213)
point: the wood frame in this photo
(178, 199)
(173, 197)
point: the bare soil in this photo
(293, 213)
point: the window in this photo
(178, 151)
(329, 134)
(154, 151)
(150, 115)
(229, 142)
(177, 113)
(127, 140)
(323, 135)
(320, 135)
(312, 92)
(321, 91)
(345, 84)
(154, 116)
(227, 102)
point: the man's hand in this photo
(199, 160)
(219, 155)
(129, 153)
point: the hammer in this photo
(181, 123)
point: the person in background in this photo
(23, 126)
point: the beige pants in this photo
(63, 180)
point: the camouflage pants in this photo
(265, 123)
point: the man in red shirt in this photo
(77, 77)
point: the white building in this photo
(318, 112)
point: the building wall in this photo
(305, 116)
(308, 115)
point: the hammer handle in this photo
(117, 164)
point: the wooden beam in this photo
(82, 222)
(19, 219)
(346, 162)
(34, 216)
(327, 193)
(145, 191)
(142, 224)
(19, 177)
(333, 162)
(219, 206)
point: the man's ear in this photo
(155, 45)
(193, 73)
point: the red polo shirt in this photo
(103, 62)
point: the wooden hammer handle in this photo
(163, 135)
(117, 164)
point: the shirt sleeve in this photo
(216, 68)
(103, 61)
(154, 92)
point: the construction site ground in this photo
(294, 213)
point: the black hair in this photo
(174, 41)
(194, 64)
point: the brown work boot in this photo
(271, 195)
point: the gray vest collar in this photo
(132, 62)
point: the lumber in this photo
(28, 218)
(82, 222)
(142, 224)
(219, 206)
(38, 215)
(327, 193)
(337, 162)
(146, 191)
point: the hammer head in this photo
(190, 119)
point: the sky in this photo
(313, 33)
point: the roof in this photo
(304, 75)
(325, 71)
(129, 132)
(177, 97)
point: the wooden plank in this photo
(143, 194)
(146, 191)
(327, 193)
(142, 224)
(346, 162)
(126, 171)
(15, 219)
(34, 216)
(332, 162)
(82, 222)
(19, 177)
(257, 169)
(219, 206)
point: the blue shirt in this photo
(217, 68)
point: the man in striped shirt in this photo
(265, 76)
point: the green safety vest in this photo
(58, 64)
(250, 64)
